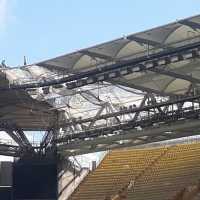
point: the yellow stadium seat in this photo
(158, 173)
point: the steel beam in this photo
(115, 70)
(191, 24)
(149, 119)
(97, 115)
(16, 134)
(10, 150)
(173, 74)
(143, 88)
(142, 104)
(97, 55)
(134, 110)
(143, 40)
(102, 144)
(47, 138)
(23, 137)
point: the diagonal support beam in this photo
(141, 106)
(23, 137)
(47, 139)
(175, 75)
(143, 88)
(143, 40)
(112, 111)
(9, 150)
(97, 114)
(191, 24)
(14, 137)
(19, 137)
(155, 102)
(97, 55)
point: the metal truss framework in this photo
(152, 121)
(19, 137)
(10, 150)
(149, 102)
(160, 116)
(22, 146)
(47, 138)
(118, 69)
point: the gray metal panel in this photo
(6, 173)
(110, 49)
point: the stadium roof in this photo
(137, 45)
(170, 79)
(133, 45)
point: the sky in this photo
(42, 29)
(45, 29)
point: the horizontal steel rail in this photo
(118, 69)
(151, 116)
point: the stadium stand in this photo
(157, 173)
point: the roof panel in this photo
(110, 48)
(181, 33)
(66, 61)
(162, 83)
(177, 86)
(113, 49)
(158, 35)
(129, 49)
(84, 62)
(17, 75)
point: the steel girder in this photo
(133, 138)
(47, 138)
(158, 122)
(10, 150)
(142, 88)
(191, 24)
(19, 137)
(17, 134)
(118, 69)
(132, 110)
(144, 41)
(146, 121)
(175, 75)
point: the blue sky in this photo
(42, 29)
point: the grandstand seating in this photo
(158, 173)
